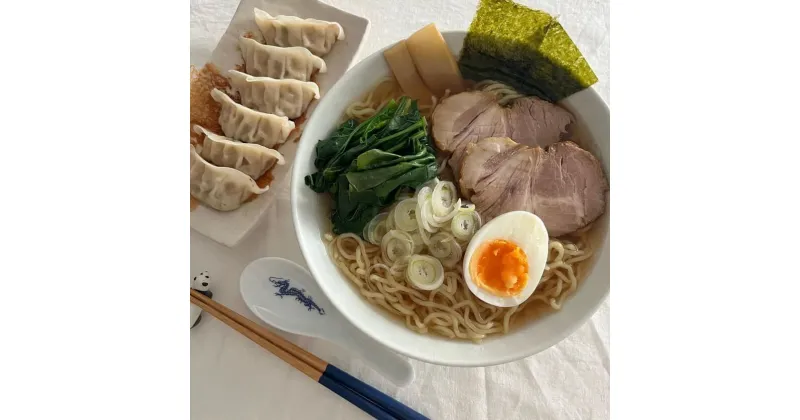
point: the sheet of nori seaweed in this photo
(525, 48)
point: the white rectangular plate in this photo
(228, 228)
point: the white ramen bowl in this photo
(311, 215)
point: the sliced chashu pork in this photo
(562, 184)
(465, 118)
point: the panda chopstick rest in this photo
(201, 283)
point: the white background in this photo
(94, 232)
(232, 377)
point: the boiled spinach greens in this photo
(364, 165)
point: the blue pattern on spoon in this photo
(285, 289)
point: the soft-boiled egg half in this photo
(506, 258)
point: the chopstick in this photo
(311, 368)
(367, 398)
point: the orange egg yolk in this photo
(501, 267)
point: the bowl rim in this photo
(297, 181)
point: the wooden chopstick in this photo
(363, 396)
(312, 366)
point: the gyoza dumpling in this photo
(291, 31)
(250, 159)
(279, 63)
(224, 189)
(244, 124)
(286, 98)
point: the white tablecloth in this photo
(232, 378)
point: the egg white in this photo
(527, 231)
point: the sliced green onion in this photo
(400, 264)
(375, 229)
(379, 231)
(395, 245)
(426, 214)
(443, 220)
(435, 221)
(425, 272)
(421, 222)
(405, 215)
(419, 243)
(421, 230)
(464, 224)
(444, 198)
(441, 245)
(390, 220)
(455, 255)
(445, 247)
(478, 221)
(424, 193)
